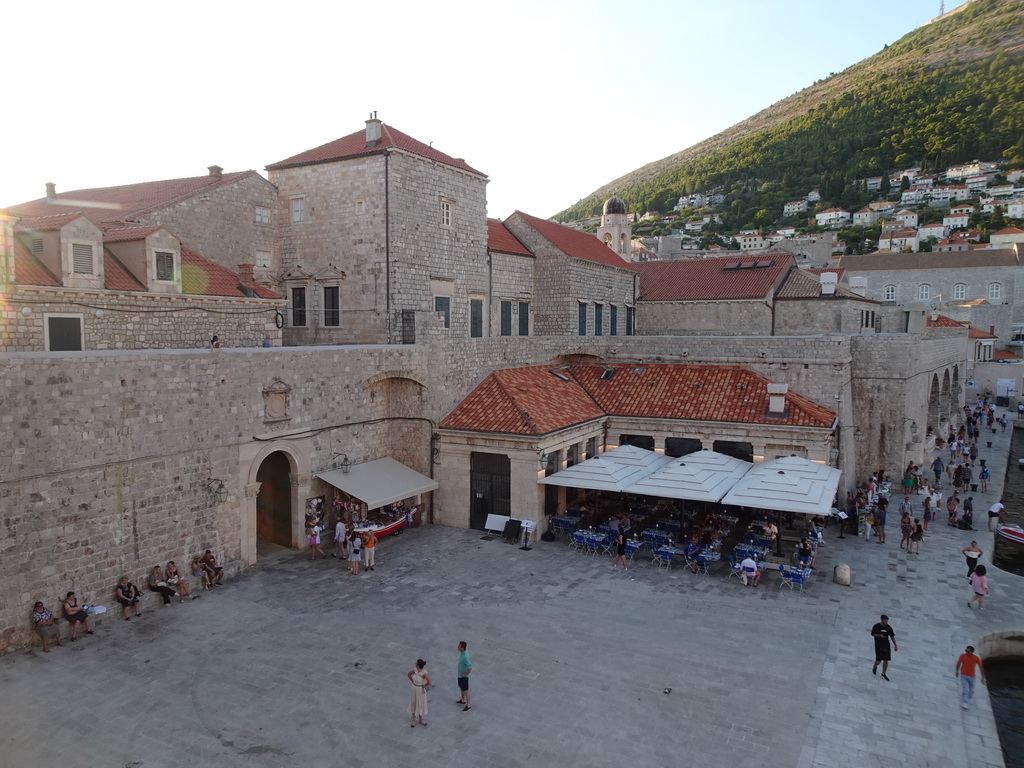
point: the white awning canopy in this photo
(700, 476)
(379, 482)
(614, 470)
(789, 484)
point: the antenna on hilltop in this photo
(942, 7)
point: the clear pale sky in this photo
(549, 99)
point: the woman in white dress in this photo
(418, 695)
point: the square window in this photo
(262, 215)
(443, 304)
(262, 259)
(164, 266)
(299, 209)
(64, 333)
(446, 213)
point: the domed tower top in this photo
(614, 205)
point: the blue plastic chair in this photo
(662, 557)
(735, 569)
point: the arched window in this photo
(995, 291)
(924, 292)
(889, 294)
(959, 292)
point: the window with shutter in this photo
(37, 246)
(164, 265)
(81, 259)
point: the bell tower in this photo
(614, 230)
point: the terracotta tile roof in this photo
(500, 239)
(977, 333)
(572, 242)
(354, 145)
(1002, 354)
(116, 204)
(116, 276)
(523, 401)
(533, 401)
(28, 270)
(124, 234)
(733, 277)
(47, 223)
(1009, 231)
(994, 257)
(941, 321)
(799, 284)
(838, 272)
(202, 277)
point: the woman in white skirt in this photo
(418, 695)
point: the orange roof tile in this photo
(941, 321)
(977, 333)
(354, 145)
(732, 277)
(500, 239)
(202, 277)
(1002, 354)
(572, 242)
(116, 276)
(534, 401)
(28, 270)
(115, 204)
(124, 234)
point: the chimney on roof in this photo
(216, 171)
(51, 189)
(859, 285)
(245, 274)
(828, 283)
(777, 398)
(372, 130)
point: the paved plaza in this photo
(298, 663)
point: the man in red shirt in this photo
(966, 666)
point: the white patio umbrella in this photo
(701, 476)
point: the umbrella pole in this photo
(778, 536)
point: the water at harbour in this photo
(1006, 679)
(1009, 555)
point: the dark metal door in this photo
(490, 487)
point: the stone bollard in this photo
(841, 575)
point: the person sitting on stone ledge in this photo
(175, 580)
(76, 614)
(213, 571)
(128, 596)
(158, 584)
(200, 572)
(45, 625)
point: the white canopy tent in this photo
(701, 476)
(379, 482)
(615, 470)
(808, 490)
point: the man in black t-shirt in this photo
(882, 633)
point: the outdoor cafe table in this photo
(747, 550)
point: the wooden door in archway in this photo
(274, 502)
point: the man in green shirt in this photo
(465, 667)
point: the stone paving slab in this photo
(299, 663)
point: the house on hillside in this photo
(956, 220)
(1006, 236)
(832, 218)
(865, 217)
(936, 230)
(899, 240)
(794, 207)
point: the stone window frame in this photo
(47, 316)
(152, 257)
(324, 289)
(613, 319)
(447, 212)
(994, 291)
(297, 205)
(924, 292)
(889, 293)
(473, 299)
(258, 262)
(261, 214)
(598, 318)
(292, 287)
(522, 309)
(509, 306)
(445, 311)
(582, 309)
(959, 291)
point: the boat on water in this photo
(1011, 532)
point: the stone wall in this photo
(720, 318)
(108, 455)
(119, 320)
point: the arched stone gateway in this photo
(273, 501)
(275, 475)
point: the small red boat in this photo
(1011, 532)
(380, 530)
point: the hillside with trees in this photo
(948, 92)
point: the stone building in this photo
(582, 286)
(379, 235)
(614, 231)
